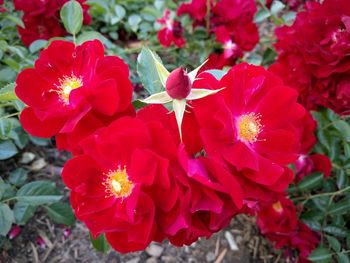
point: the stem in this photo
(9, 116)
(208, 16)
(9, 199)
(323, 194)
(74, 40)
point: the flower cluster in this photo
(171, 32)
(41, 19)
(231, 21)
(146, 176)
(313, 55)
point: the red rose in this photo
(171, 33)
(70, 82)
(313, 55)
(246, 126)
(197, 9)
(278, 222)
(279, 217)
(39, 27)
(209, 201)
(213, 195)
(307, 164)
(121, 181)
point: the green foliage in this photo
(72, 16)
(100, 243)
(326, 201)
(148, 71)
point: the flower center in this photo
(278, 207)
(117, 183)
(67, 84)
(249, 126)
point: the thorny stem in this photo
(323, 194)
(9, 116)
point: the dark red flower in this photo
(247, 128)
(313, 55)
(39, 27)
(278, 222)
(307, 164)
(278, 218)
(197, 9)
(171, 33)
(71, 82)
(47, 8)
(42, 20)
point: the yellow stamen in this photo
(117, 183)
(249, 126)
(278, 207)
(67, 84)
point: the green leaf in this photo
(7, 93)
(262, 15)
(334, 243)
(18, 176)
(134, 21)
(320, 255)
(15, 20)
(37, 45)
(61, 213)
(6, 219)
(72, 16)
(39, 141)
(343, 258)
(100, 243)
(344, 128)
(342, 180)
(138, 104)
(38, 193)
(23, 212)
(276, 7)
(7, 150)
(335, 230)
(340, 208)
(348, 241)
(311, 181)
(119, 14)
(91, 35)
(148, 71)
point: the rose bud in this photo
(15, 230)
(178, 84)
